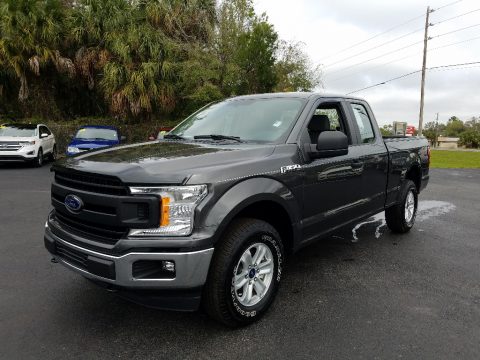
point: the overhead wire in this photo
(411, 73)
(455, 17)
(374, 37)
(388, 30)
(454, 31)
(375, 47)
(405, 57)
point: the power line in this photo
(455, 17)
(375, 47)
(411, 73)
(455, 43)
(403, 58)
(373, 37)
(388, 30)
(377, 57)
(454, 31)
(458, 68)
(405, 47)
(449, 4)
(385, 82)
(454, 65)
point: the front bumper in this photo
(117, 272)
(25, 153)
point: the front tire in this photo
(245, 273)
(401, 217)
(38, 162)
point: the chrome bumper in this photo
(191, 268)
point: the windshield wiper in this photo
(173, 136)
(218, 137)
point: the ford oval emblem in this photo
(73, 203)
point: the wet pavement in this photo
(363, 293)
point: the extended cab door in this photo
(372, 154)
(333, 187)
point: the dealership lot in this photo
(366, 295)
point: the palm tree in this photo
(31, 32)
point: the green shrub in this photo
(470, 139)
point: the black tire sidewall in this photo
(39, 159)
(240, 312)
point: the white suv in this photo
(27, 142)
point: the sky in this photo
(336, 34)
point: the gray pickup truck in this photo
(208, 215)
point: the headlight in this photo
(177, 207)
(27, 143)
(73, 149)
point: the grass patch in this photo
(455, 159)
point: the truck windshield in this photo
(97, 134)
(257, 120)
(18, 130)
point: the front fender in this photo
(246, 193)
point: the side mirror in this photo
(123, 138)
(43, 135)
(331, 143)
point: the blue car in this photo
(93, 137)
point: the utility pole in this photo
(424, 66)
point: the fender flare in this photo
(246, 193)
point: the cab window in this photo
(326, 117)
(364, 124)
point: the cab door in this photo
(373, 154)
(332, 189)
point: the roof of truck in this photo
(303, 95)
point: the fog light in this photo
(169, 266)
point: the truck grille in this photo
(102, 184)
(99, 232)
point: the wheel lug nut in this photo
(255, 279)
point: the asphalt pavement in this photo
(367, 294)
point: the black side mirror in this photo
(123, 138)
(331, 143)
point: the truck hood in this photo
(168, 162)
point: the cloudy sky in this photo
(327, 28)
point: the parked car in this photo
(27, 142)
(208, 214)
(93, 137)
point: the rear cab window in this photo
(364, 123)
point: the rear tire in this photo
(237, 294)
(401, 217)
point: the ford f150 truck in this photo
(208, 215)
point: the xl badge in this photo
(73, 203)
